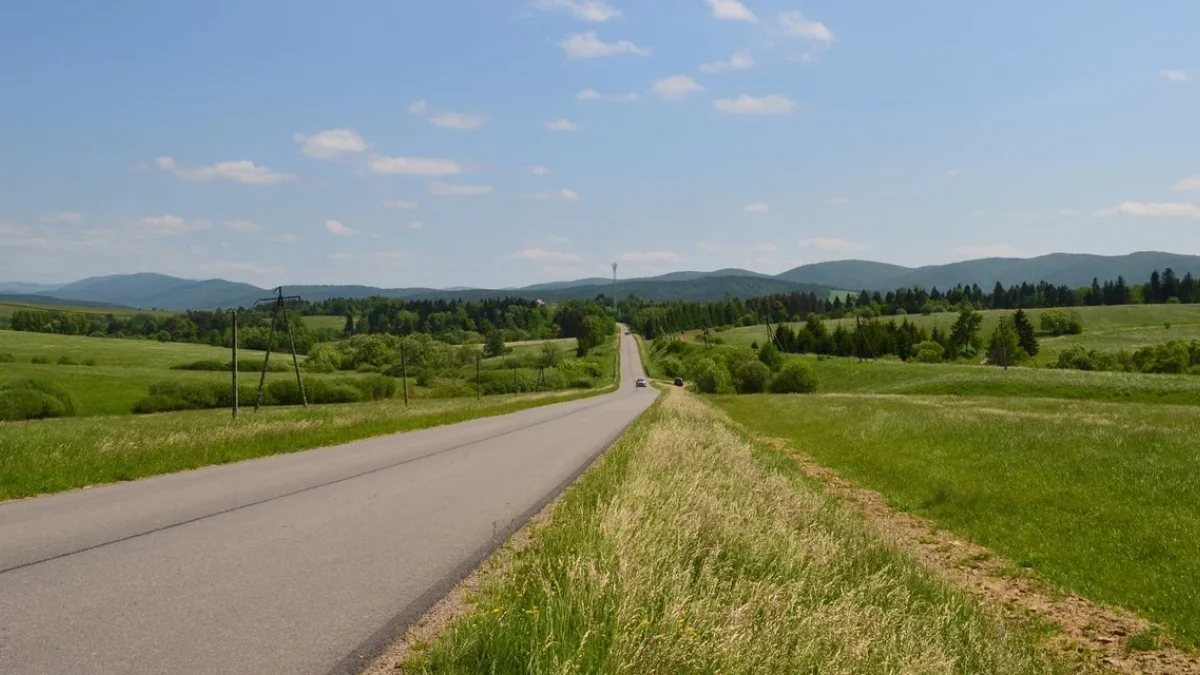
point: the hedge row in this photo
(34, 399)
(172, 396)
(243, 366)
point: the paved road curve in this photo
(292, 564)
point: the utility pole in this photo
(235, 367)
(279, 310)
(478, 387)
(1003, 346)
(614, 289)
(404, 372)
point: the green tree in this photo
(964, 334)
(1060, 322)
(751, 377)
(493, 345)
(551, 355)
(1004, 348)
(796, 377)
(929, 352)
(591, 334)
(348, 329)
(1025, 333)
(770, 357)
(712, 377)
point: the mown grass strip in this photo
(1099, 499)
(690, 549)
(40, 457)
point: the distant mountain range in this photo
(158, 291)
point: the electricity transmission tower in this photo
(279, 304)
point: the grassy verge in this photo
(1099, 499)
(689, 549)
(53, 455)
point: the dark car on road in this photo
(679, 382)
(641, 382)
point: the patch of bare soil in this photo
(1099, 634)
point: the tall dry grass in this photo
(690, 549)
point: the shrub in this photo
(367, 368)
(89, 362)
(929, 352)
(243, 366)
(1060, 322)
(751, 377)
(1081, 358)
(1174, 357)
(67, 361)
(672, 367)
(423, 378)
(159, 404)
(712, 377)
(581, 383)
(34, 399)
(771, 357)
(7, 357)
(796, 377)
(453, 389)
(40, 360)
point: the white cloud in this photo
(832, 245)
(336, 227)
(706, 246)
(589, 46)
(440, 189)
(539, 170)
(997, 250)
(795, 24)
(650, 257)
(731, 10)
(1189, 184)
(586, 10)
(556, 196)
(460, 121)
(1177, 75)
(14, 230)
(283, 238)
(771, 104)
(764, 247)
(953, 173)
(1150, 210)
(1067, 212)
(419, 107)
(589, 95)
(371, 256)
(676, 87)
(624, 98)
(331, 144)
(62, 218)
(593, 95)
(561, 125)
(242, 171)
(543, 255)
(416, 166)
(241, 226)
(757, 208)
(399, 204)
(739, 61)
(837, 201)
(415, 225)
(169, 225)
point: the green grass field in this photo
(1104, 328)
(7, 309)
(46, 456)
(688, 549)
(124, 369)
(317, 322)
(1097, 498)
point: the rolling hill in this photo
(158, 291)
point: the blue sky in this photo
(500, 143)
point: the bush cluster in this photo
(726, 370)
(172, 396)
(1177, 357)
(243, 366)
(34, 399)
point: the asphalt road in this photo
(300, 563)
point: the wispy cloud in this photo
(61, 218)
(556, 196)
(795, 24)
(543, 255)
(336, 227)
(416, 166)
(1189, 184)
(771, 104)
(1150, 210)
(539, 170)
(676, 87)
(837, 201)
(241, 171)
(739, 61)
(1177, 75)
(241, 226)
(757, 208)
(440, 189)
(168, 225)
(585, 10)
(419, 107)
(399, 204)
(589, 46)
(561, 125)
(415, 225)
(731, 10)
(707, 246)
(331, 143)
(460, 121)
(593, 95)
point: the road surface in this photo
(300, 563)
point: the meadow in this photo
(690, 548)
(1104, 328)
(7, 309)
